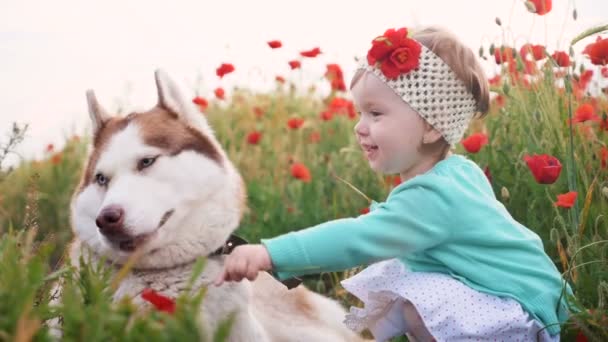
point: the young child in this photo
(448, 262)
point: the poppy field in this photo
(543, 147)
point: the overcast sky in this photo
(51, 52)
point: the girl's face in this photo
(389, 131)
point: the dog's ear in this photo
(98, 115)
(171, 98)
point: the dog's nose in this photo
(110, 220)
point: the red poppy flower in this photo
(326, 115)
(219, 93)
(301, 172)
(280, 79)
(258, 111)
(541, 7)
(544, 168)
(499, 100)
(530, 67)
(503, 54)
(314, 137)
(537, 51)
(336, 77)
(254, 137)
(295, 123)
(585, 112)
(597, 51)
(394, 52)
(342, 106)
(56, 158)
(396, 180)
(474, 142)
(160, 302)
(201, 102)
(224, 69)
(488, 174)
(392, 180)
(294, 64)
(566, 200)
(311, 53)
(604, 157)
(495, 80)
(275, 44)
(561, 58)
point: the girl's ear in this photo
(431, 135)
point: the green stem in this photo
(571, 164)
(588, 33)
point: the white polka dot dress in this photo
(448, 309)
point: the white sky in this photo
(52, 51)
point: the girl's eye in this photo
(101, 179)
(375, 114)
(145, 162)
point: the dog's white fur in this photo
(206, 199)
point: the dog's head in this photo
(157, 181)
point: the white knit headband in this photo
(424, 81)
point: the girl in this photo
(448, 262)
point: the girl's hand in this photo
(244, 262)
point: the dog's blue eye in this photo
(101, 179)
(145, 162)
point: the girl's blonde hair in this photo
(459, 58)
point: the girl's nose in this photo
(361, 128)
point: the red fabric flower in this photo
(254, 137)
(311, 53)
(219, 93)
(224, 69)
(201, 102)
(275, 44)
(544, 168)
(364, 211)
(394, 52)
(585, 112)
(474, 142)
(160, 302)
(336, 77)
(604, 72)
(537, 51)
(301, 172)
(541, 7)
(566, 200)
(294, 64)
(50, 148)
(561, 58)
(598, 51)
(295, 123)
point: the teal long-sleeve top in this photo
(446, 220)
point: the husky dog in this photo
(158, 183)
